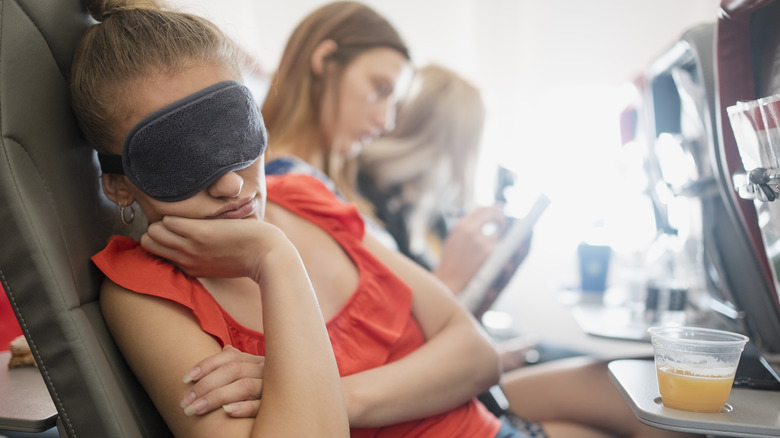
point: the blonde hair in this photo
(133, 39)
(430, 156)
(293, 103)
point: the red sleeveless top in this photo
(374, 327)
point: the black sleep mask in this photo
(181, 149)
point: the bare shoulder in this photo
(160, 340)
(295, 227)
(148, 328)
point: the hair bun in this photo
(102, 9)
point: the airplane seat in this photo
(53, 218)
(679, 89)
(747, 58)
(677, 115)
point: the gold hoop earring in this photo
(127, 219)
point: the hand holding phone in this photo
(474, 294)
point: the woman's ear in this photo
(115, 189)
(320, 54)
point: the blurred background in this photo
(555, 76)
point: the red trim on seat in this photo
(9, 327)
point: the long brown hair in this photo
(131, 40)
(293, 102)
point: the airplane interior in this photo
(703, 124)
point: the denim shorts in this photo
(513, 426)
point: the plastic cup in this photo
(770, 115)
(695, 366)
(745, 118)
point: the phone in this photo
(472, 295)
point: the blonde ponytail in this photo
(102, 9)
(132, 40)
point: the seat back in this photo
(678, 115)
(746, 46)
(52, 220)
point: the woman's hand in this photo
(468, 245)
(213, 247)
(231, 379)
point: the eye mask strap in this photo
(110, 164)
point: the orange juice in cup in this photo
(687, 391)
(695, 366)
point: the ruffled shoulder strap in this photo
(130, 266)
(309, 198)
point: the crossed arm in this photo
(161, 340)
(456, 363)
